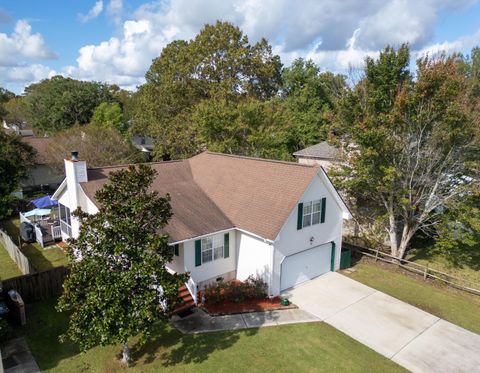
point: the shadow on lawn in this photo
(171, 347)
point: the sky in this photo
(115, 41)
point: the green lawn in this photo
(469, 272)
(456, 306)
(41, 259)
(315, 347)
(8, 268)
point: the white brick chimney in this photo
(75, 173)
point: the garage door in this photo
(305, 265)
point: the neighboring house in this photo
(144, 144)
(233, 217)
(322, 154)
(41, 175)
(17, 128)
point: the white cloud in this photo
(115, 10)
(335, 34)
(93, 13)
(22, 44)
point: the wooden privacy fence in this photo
(38, 286)
(17, 256)
(419, 269)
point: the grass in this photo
(315, 347)
(8, 268)
(453, 305)
(41, 258)
(469, 272)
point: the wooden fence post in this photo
(376, 256)
(425, 273)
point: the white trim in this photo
(266, 240)
(59, 190)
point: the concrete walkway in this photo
(201, 322)
(17, 358)
(415, 339)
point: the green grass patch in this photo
(453, 305)
(469, 272)
(8, 268)
(41, 258)
(313, 347)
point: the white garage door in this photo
(305, 265)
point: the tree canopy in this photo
(99, 146)
(118, 281)
(56, 104)
(411, 143)
(15, 157)
(109, 115)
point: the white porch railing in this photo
(56, 232)
(193, 289)
(38, 235)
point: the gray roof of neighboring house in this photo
(143, 143)
(322, 150)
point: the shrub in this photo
(235, 291)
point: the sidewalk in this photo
(201, 322)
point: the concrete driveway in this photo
(409, 336)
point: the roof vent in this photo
(74, 156)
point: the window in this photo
(212, 248)
(311, 213)
(65, 220)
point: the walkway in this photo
(415, 339)
(17, 358)
(201, 322)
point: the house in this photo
(144, 144)
(322, 154)
(41, 175)
(233, 217)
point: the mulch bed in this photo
(248, 305)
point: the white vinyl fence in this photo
(17, 256)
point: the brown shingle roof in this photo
(40, 144)
(211, 192)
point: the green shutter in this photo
(300, 216)
(198, 253)
(332, 259)
(176, 249)
(324, 205)
(226, 245)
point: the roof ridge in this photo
(288, 163)
(134, 164)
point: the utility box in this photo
(17, 308)
(345, 259)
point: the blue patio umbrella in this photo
(44, 202)
(37, 212)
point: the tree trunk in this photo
(392, 232)
(126, 358)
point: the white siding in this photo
(209, 271)
(177, 264)
(254, 257)
(290, 240)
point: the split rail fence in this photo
(423, 270)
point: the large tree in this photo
(56, 104)
(219, 63)
(309, 97)
(5, 96)
(99, 146)
(15, 157)
(118, 284)
(411, 142)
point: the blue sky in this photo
(115, 40)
